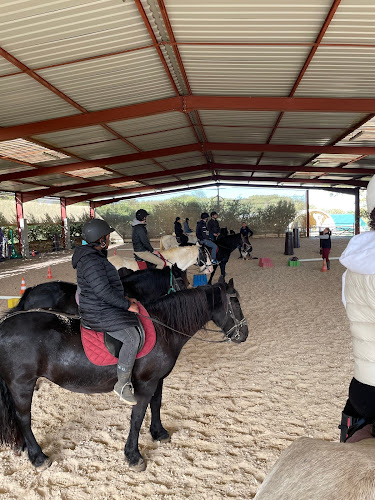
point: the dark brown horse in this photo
(46, 344)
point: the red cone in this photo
(49, 274)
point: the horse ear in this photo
(230, 283)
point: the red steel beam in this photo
(187, 104)
(293, 180)
(76, 199)
(208, 146)
(197, 168)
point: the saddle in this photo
(143, 264)
(102, 349)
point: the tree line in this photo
(273, 217)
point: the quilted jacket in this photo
(102, 304)
(359, 299)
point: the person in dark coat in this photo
(325, 246)
(187, 229)
(245, 233)
(141, 244)
(204, 237)
(213, 226)
(102, 305)
(180, 235)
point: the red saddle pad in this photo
(98, 354)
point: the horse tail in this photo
(21, 304)
(10, 431)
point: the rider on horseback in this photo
(204, 236)
(141, 244)
(213, 226)
(102, 305)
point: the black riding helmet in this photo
(213, 213)
(204, 215)
(94, 229)
(141, 214)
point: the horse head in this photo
(230, 318)
(180, 276)
(204, 260)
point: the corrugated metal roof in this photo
(114, 81)
(244, 21)
(52, 32)
(261, 71)
(23, 101)
(99, 55)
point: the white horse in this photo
(183, 257)
(169, 241)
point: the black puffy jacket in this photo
(102, 305)
(140, 240)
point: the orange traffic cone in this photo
(23, 286)
(49, 274)
(324, 267)
(33, 253)
(114, 252)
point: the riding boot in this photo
(328, 265)
(124, 387)
(349, 425)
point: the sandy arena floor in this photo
(231, 409)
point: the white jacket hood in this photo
(359, 255)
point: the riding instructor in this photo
(141, 244)
(102, 304)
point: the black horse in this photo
(226, 246)
(46, 344)
(146, 286)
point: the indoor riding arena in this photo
(108, 101)
(231, 409)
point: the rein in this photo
(237, 325)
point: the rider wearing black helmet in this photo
(102, 305)
(204, 236)
(213, 226)
(141, 244)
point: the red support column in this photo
(307, 214)
(92, 210)
(357, 227)
(19, 213)
(63, 219)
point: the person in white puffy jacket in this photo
(359, 301)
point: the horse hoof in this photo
(166, 439)
(139, 467)
(47, 463)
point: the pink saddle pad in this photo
(96, 351)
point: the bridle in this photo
(237, 324)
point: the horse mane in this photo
(187, 310)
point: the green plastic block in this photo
(294, 263)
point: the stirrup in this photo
(131, 399)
